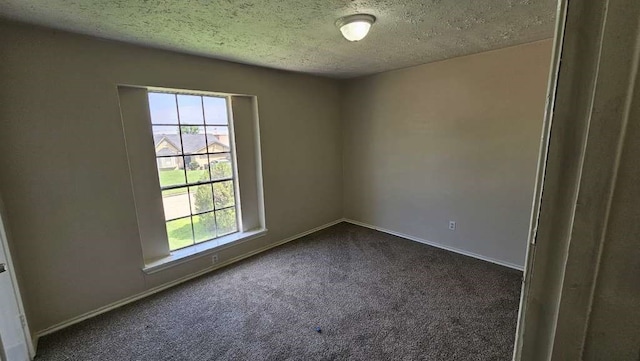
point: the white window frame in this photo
(137, 127)
(232, 155)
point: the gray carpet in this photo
(375, 297)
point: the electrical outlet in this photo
(452, 225)
(214, 258)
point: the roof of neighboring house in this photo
(191, 143)
(166, 151)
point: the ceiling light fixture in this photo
(355, 27)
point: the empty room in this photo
(318, 180)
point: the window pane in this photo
(220, 166)
(176, 203)
(170, 171)
(180, 233)
(201, 198)
(218, 136)
(162, 108)
(197, 168)
(167, 140)
(192, 143)
(193, 139)
(218, 139)
(223, 194)
(190, 108)
(215, 111)
(226, 221)
(204, 227)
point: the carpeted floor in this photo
(375, 297)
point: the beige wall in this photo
(454, 140)
(64, 174)
(465, 132)
(451, 140)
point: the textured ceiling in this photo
(300, 35)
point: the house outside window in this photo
(194, 157)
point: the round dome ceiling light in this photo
(355, 27)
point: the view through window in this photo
(195, 165)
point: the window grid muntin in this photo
(166, 188)
(181, 155)
(201, 213)
(184, 166)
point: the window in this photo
(196, 171)
(194, 158)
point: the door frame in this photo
(552, 87)
(596, 62)
(14, 283)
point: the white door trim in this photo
(561, 17)
(596, 64)
(14, 282)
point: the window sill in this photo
(200, 250)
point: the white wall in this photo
(64, 174)
(453, 140)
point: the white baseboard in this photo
(165, 286)
(16, 352)
(438, 245)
